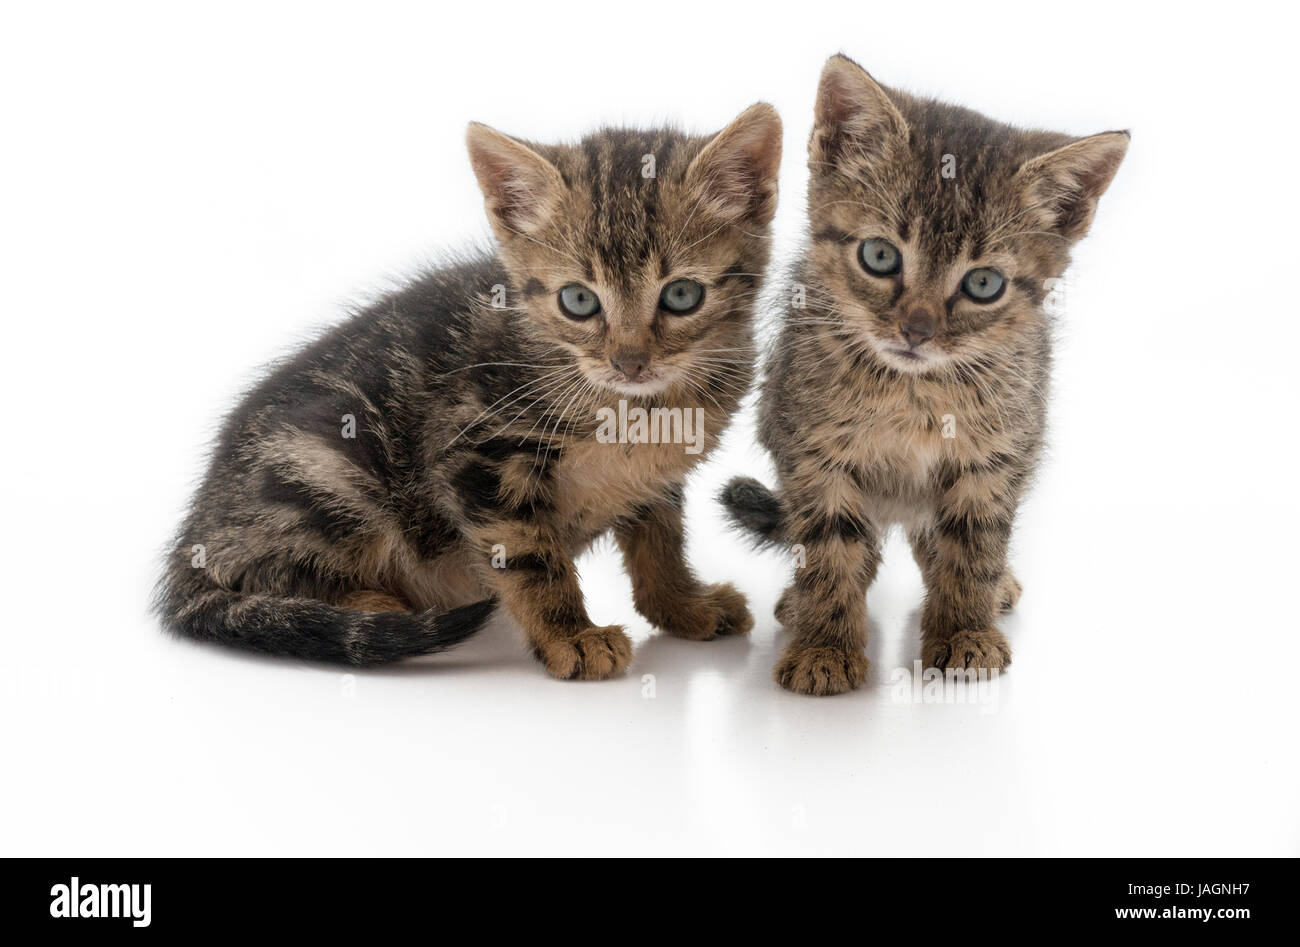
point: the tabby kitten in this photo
(435, 454)
(910, 388)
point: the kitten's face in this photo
(638, 253)
(936, 230)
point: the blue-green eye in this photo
(682, 296)
(880, 257)
(578, 302)
(983, 284)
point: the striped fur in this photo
(378, 492)
(868, 429)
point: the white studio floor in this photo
(192, 193)
(1150, 710)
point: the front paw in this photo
(967, 650)
(821, 670)
(711, 611)
(593, 654)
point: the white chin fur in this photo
(641, 389)
(915, 365)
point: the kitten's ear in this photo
(853, 115)
(735, 175)
(519, 186)
(1066, 184)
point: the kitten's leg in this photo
(826, 606)
(965, 568)
(784, 610)
(922, 542)
(664, 589)
(539, 586)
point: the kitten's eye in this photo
(681, 296)
(578, 302)
(880, 257)
(983, 285)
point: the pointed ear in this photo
(735, 175)
(853, 115)
(519, 186)
(1066, 184)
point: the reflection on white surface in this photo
(477, 751)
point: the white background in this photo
(188, 193)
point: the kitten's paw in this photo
(821, 670)
(593, 654)
(987, 649)
(1008, 592)
(714, 610)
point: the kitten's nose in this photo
(917, 327)
(631, 362)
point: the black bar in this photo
(1177, 897)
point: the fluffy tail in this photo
(755, 509)
(313, 630)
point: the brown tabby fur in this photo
(855, 419)
(475, 423)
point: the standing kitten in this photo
(911, 386)
(376, 494)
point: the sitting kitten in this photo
(910, 387)
(376, 494)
